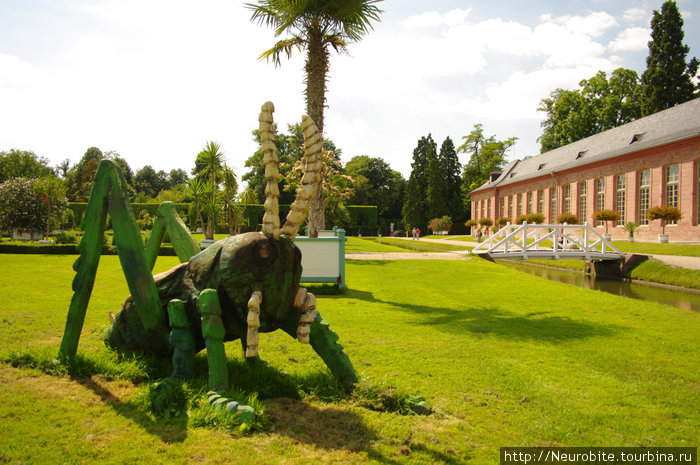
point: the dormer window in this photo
(512, 174)
(541, 166)
(580, 154)
(636, 137)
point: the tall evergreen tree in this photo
(668, 79)
(452, 181)
(415, 205)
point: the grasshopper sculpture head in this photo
(234, 289)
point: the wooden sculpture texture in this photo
(234, 289)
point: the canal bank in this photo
(682, 297)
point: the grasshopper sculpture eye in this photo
(236, 288)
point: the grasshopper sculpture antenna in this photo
(309, 182)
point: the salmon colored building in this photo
(649, 162)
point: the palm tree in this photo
(209, 166)
(247, 196)
(197, 190)
(317, 26)
(230, 188)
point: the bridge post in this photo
(604, 268)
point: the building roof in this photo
(671, 125)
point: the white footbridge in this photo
(548, 242)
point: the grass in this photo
(363, 244)
(417, 246)
(687, 250)
(569, 367)
(650, 271)
(658, 272)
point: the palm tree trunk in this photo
(316, 71)
(230, 213)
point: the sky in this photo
(155, 80)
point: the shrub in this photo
(502, 221)
(606, 216)
(531, 218)
(568, 218)
(665, 213)
(471, 223)
(65, 238)
(487, 222)
(440, 224)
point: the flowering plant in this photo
(665, 214)
(31, 204)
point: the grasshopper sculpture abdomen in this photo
(235, 289)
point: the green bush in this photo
(568, 218)
(531, 218)
(65, 238)
(502, 221)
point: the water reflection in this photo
(677, 298)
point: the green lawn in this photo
(362, 244)
(417, 245)
(571, 367)
(688, 250)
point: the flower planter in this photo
(206, 242)
(323, 257)
(663, 238)
(22, 235)
(608, 237)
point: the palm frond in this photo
(285, 47)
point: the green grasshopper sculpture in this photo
(235, 288)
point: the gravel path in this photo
(405, 256)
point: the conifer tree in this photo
(415, 206)
(668, 79)
(452, 180)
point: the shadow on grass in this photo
(492, 320)
(331, 428)
(169, 430)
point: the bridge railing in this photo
(529, 240)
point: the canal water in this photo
(687, 300)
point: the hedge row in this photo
(65, 249)
(360, 215)
(79, 208)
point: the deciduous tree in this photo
(600, 104)
(486, 154)
(22, 164)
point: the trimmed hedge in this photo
(64, 249)
(79, 208)
(365, 216)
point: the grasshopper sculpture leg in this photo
(235, 289)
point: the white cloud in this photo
(633, 39)
(595, 24)
(156, 80)
(635, 15)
